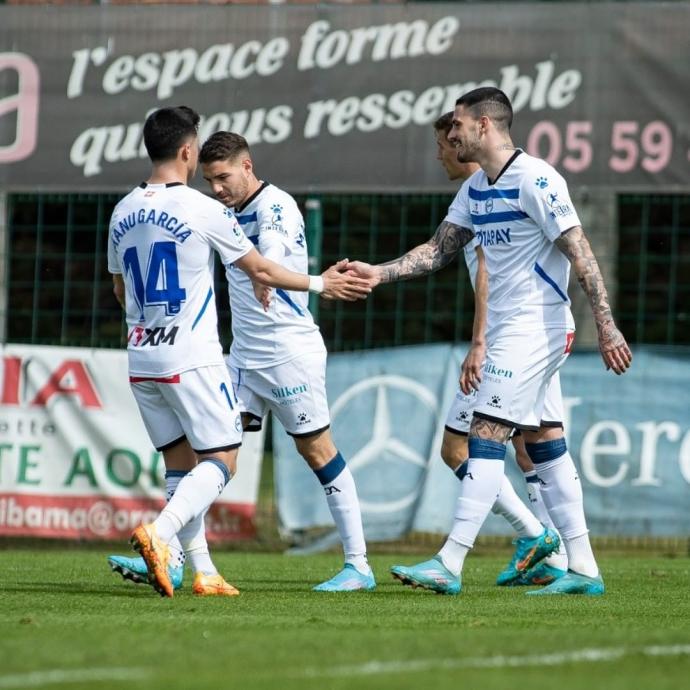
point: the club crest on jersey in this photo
(542, 182)
(557, 207)
(488, 205)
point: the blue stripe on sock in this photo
(175, 473)
(533, 479)
(548, 450)
(486, 449)
(331, 470)
(221, 466)
(462, 470)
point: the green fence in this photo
(59, 290)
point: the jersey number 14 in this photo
(162, 285)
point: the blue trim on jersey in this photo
(548, 450)
(331, 469)
(203, 308)
(486, 449)
(500, 217)
(286, 298)
(246, 218)
(484, 194)
(544, 275)
(254, 239)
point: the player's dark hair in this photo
(223, 146)
(491, 102)
(167, 129)
(444, 123)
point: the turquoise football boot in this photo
(528, 552)
(431, 575)
(349, 579)
(573, 583)
(541, 574)
(134, 569)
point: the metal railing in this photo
(59, 290)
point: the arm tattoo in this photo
(575, 246)
(438, 252)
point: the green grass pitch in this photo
(66, 621)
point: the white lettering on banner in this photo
(590, 448)
(651, 431)
(166, 72)
(119, 143)
(324, 49)
(65, 459)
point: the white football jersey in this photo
(516, 220)
(471, 260)
(271, 221)
(161, 240)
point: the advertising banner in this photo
(75, 459)
(337, 98)
(629, 437)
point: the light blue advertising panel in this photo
(629, 436)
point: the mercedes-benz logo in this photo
(382, 439)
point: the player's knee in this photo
(317, 450)
(454, 451)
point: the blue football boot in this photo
(349, 579)
(528, 552)
(541, 574)
(430, 574)
(573, 583)
(134, 569)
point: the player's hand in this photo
(263, 293)
(614, 350)
(340, 283)
(364, 270)
(471, 370)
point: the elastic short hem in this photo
(307, 434)
(252, 426)
(219, 449)
(455, 431)
(551, 424)
(171, 444)
(506, 422)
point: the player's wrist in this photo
(316, 284)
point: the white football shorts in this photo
(198, 404)
(462, 408)
(294, 391)
(518, 370)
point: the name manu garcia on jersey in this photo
(152, 217)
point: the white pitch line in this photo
(371, 668)
(35, 679)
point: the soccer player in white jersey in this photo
(454, 448)
(160, 251)
(520, 209)
(277, 358)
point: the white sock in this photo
(560, 558)
(478, 492)
(509, 505)
(341, 496)
(195, 493)
(562, 493)
(193, 539)
(172, 479)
